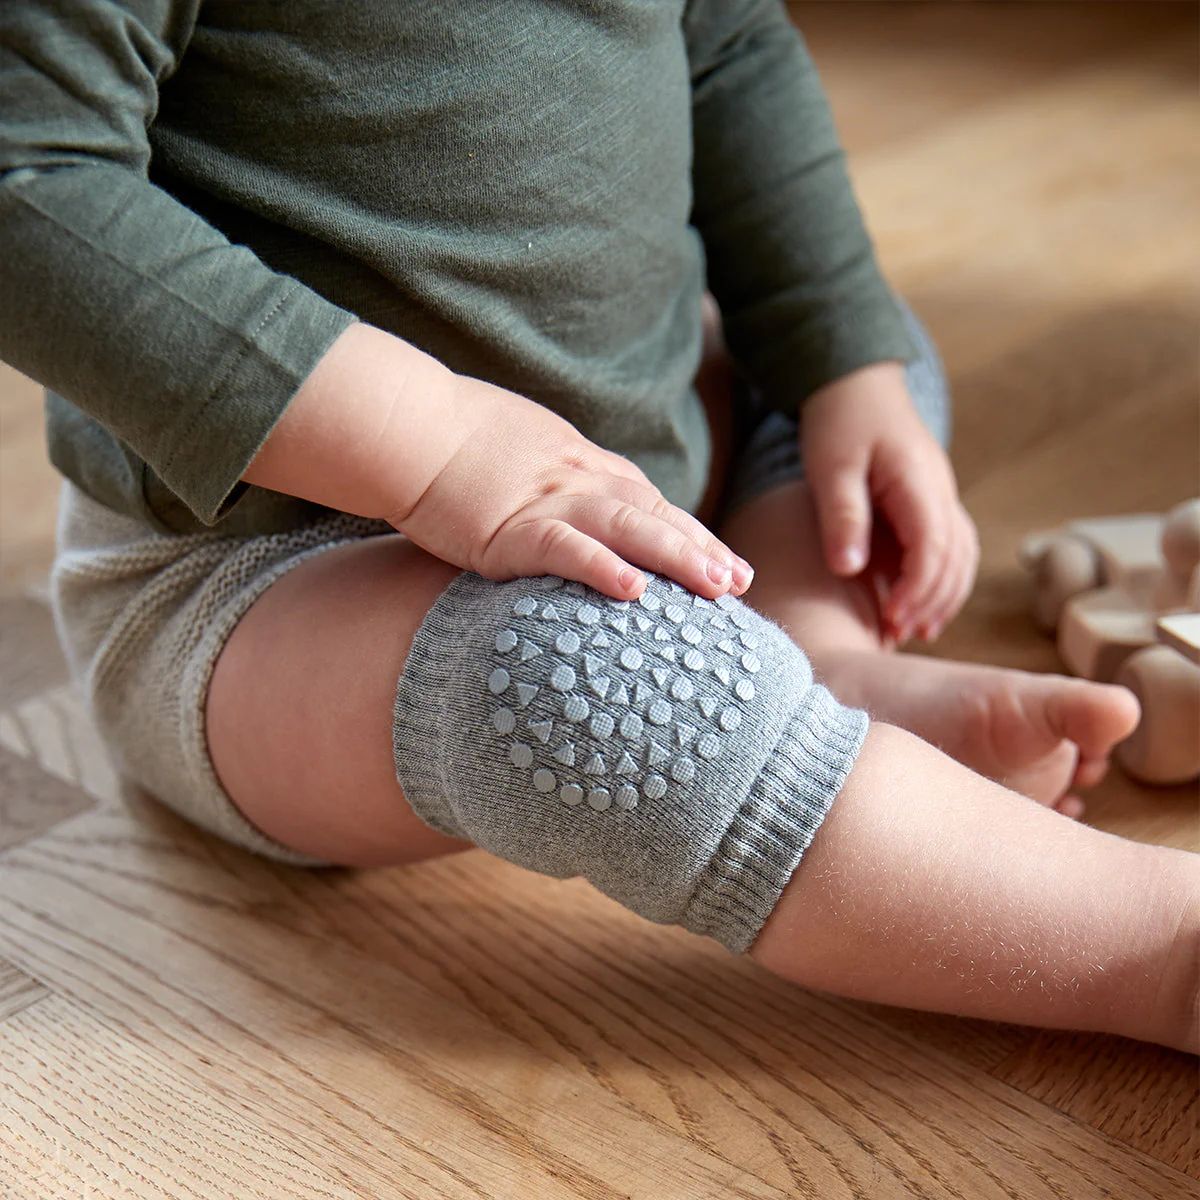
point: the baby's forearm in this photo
(931, 887)
(367, 432)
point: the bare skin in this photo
(927, 886)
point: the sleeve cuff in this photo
(265, 370)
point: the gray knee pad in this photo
(674, 751)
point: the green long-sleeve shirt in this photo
(197, 198)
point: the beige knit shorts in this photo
(143, 616)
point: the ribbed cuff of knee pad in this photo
(426, 708)
(777, 821)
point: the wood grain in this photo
(17, 990)
(32, 801)
(180, 1019)
(88, 1112)
(808, 1096)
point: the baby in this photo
(412, 504)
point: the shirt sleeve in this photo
(788, 257)
(112, 293)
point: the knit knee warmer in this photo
(675, 751)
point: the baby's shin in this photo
(675, 751)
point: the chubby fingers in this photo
(960, 577)
(605, 538)
(843, 501)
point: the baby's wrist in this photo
(365, 433)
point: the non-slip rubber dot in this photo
(655, 754)
(674, 613)
(575, 588)
(722, 673)
(567, 642)
(655, 787)
(626, 765)
(751, 662)
(632, 658)
(504, 720)
(726, 647)
(744, 689)
(602, 725)
(498, 680)
(576, 708)
(684, 733)
(626, 796)
(526, 606)
(525, 693)
(544, 780)
(520, 755)
(707, 706)
(506, 640)
(649, 601)
(549, 613)
(600, 686)
(749, 640)
(709, 746)
(631, 726)
(542, 730)
(682, 688)
(729, 719)
(694, 660)
(683, 770)
(593, 664)
(599, 799)
(562, 678)
(571, 793)
(588, 614)
(691, 635)
(659, 712)
(661, 675)
(594, 766)
(661, 634)
(550, 583)
(529, 650)
(565, 754)
(741, 618)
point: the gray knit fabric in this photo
(674, 751)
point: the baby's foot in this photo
(1037, 734)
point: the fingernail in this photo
(630, 579)
(743, 573)
(851, 560)
(718, 572)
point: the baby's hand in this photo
(865, 448)
(522, 492)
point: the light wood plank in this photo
(1149, 1100)
(843, 1107)
(31, 801)
(17, 990)
(85, 1111)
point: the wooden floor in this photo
(178, 1019)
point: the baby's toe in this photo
(1095, 716)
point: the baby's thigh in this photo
(299, 710)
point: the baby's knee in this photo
(674, 751)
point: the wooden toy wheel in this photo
(1165, 747)
(1064, 567)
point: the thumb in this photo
(843, 502)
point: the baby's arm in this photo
(807, 311)
(203, 360)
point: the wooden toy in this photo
(1123, 594)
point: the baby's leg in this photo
(1039, 734)
(932, 888)
(924, 885)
